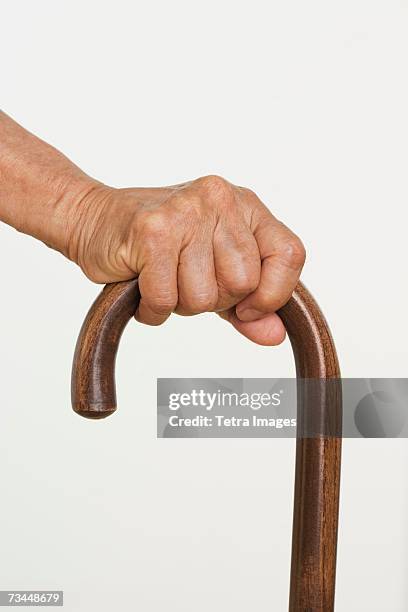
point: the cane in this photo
(319, 416)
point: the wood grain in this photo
(318, 445)
(318, 456)
(93, 391)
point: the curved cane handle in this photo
(93, 391)
(317, 476)
(93, 374)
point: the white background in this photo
(305, 102)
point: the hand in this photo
(201, 246)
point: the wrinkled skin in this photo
(201, 246)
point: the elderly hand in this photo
(202, 246)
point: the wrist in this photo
(78, 215)
(68, 203)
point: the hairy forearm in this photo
(39, 187)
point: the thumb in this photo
(267, 331)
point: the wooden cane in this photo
(319, 415)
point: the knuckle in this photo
(162, 303)
(215, 185)
(154, 226)
(292, 252)
(246, 284)
(188, 210)
(200, 302)
(154, 232)
(241, 284)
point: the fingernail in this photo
(249, 314)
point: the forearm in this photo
(39, 187)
